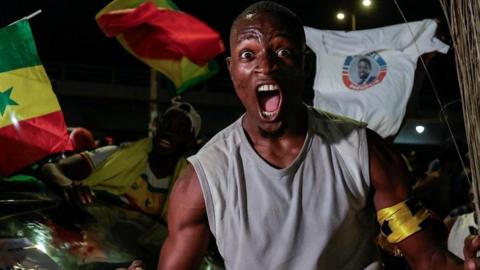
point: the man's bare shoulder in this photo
(187, 193)
(188, 231)
(388, 172)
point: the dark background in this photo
(102, 87)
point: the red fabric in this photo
(163, 34)
(32, 140)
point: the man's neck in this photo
(281, 147)
(163, 166)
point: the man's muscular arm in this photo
(389, 175)
(188, 230)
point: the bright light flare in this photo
(340, 15)
(420, 129)
(14, 120)
(366, 3)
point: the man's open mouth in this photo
(269, 99)
(165, 143)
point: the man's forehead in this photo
(260, 23)
(176, 115)
(260, 18)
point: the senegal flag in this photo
(31, 122)
(168, 40)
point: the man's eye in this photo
(283, 52)
(246, 55)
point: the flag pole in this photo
(153, 101)
(27, 17)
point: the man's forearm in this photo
(438, 259)
(53, 175)
(172, 259)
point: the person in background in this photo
(139, 173)
(287, 186)
(82, 139)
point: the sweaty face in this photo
(267, 68)
(363, 69)
(173, 133)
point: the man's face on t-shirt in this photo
(363, 68)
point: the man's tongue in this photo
(270, 101)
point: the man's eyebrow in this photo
(249, 34)
(253, 34)
(284, 34)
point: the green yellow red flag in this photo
(31, 121)
(170, 41)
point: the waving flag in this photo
(31, 121)
(368, 75)
(168, 40)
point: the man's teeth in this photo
(268, 87)
(269, 114)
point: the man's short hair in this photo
(366, 60)
(292, 20)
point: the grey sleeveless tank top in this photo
(311, 215)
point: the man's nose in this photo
(267, 63)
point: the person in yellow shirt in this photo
(140, 173)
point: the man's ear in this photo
(309, 63)
(228, 60)
(191, 145)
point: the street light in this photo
(420, 129)
(341, 15)
(366, 3)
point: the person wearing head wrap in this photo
(140, 173)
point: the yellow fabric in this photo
(121, 174)
(181, 165)
(120, 170)
(129, 4)
(151, 202)
(177, 71)
(32, 92)
(401, 222)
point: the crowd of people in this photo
(286, 186)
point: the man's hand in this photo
(78, 194)
(66, 176)
(472, 246)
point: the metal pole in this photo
(354, 22)
(153, 101)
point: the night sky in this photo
(66, 31)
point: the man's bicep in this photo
(389, 175)
(187, 225)
(390, 178)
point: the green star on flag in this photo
(32, 126)
(5, 100)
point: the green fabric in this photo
(23, 183)
(17, 47)
(212, 70)
(126, 4)
(118, 172)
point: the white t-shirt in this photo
(368, 75)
